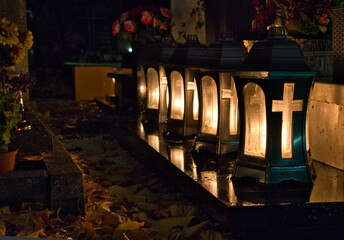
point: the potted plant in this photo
(13, 47)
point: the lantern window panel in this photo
(164, 95)
(141, 81)
(210, 106)
(177, 157)
(177, 96)
(231, 94)
(192, 86)
(255, 120)
(152, 89)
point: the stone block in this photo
(33, 141)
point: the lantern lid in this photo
(155, 52)
(276, 54)
(189, 54)
(224, 54)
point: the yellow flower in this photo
(17, 43)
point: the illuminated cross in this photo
(287, 106)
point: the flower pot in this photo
(7, 161)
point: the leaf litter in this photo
(123, 199)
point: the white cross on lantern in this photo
(287, 106)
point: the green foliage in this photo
(10, 114)
(195, 16)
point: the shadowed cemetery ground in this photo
(123, 199)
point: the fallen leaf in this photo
(35, 234)
(36, 157)
(144, 192)
(4, 211)
(141, 216)
(2, 228)
(86, 231)
(112, 219)
(107, 229)
(119, 191)
(138, 234)
(189, 231)
(134, 188)
(182, 210)
(148, 207)
(137, 199)
(210, 235)
(172, 222)
(129, 226)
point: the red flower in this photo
(166, 13)
(124, 17)
(130, 26)
(115, 28)
(146, 17)
(323, 19)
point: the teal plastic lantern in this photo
(182, 118)
(152, 82)
(273, 86)
(218, 130)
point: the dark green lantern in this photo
(182, 120)
(273, 85)
(218, 130)
(152, 82)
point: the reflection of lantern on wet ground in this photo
(218, 131)
(273, 85)
(182, 118)
(177, 157)
(152, 82)
(209, 181)
(153, 141)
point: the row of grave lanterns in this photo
(254, 104)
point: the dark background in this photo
(80, 31)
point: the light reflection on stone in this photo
(177, 157)
(209, 181)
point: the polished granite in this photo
(214, 174)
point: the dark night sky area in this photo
(72, 30)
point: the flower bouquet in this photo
(302, 19)
(13, 47)
(144, 24)
(13, 44)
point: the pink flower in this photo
(124, 17)
(115, 28)
(166, 13)
(146, 17)
(130, 26)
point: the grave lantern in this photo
(273, 85)
(153, 82)
(218, 130)
(182, 120)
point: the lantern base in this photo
(179, 129)
(216, 147)
(150, 118)
(273, 175)
(249, 189)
